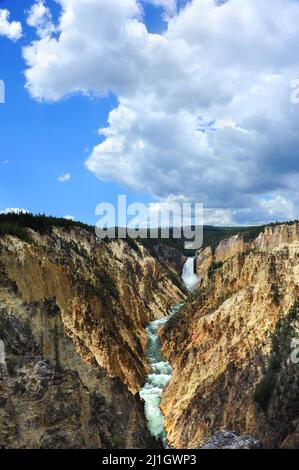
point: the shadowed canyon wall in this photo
(72, 317)
(230, 346)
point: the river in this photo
(161, 370)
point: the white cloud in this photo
(40, 17)
(64, 178)
(278, 207)
(14, 210)
(275, 208)
(10, 29)
(100, 32)
(69, 217)
(219, 217)
(204, 109)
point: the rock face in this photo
(67, 405)
(169, 256)
(72, 317)
(228, 440)
(230, 346)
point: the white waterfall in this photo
(188, 275)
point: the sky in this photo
(161, 100)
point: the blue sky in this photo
(194, 97)
(41, 141)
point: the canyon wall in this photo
(230, 346)
(72, 317)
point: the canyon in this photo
(230, 346)
(72, 317)
(76, 316)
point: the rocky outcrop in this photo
(275, 236)
(72, 317)
(59, 401)
(106, 293)
(169, 256)
(228, 440)
(292, 439)
(223, 342)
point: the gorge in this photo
(230, 345)
(87, 342)
(161, 370)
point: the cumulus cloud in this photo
(40, 17)
(64, 178)
(204, 109)
(69, 217)
(263, 210)
(14, 210)
(10, 29)
(104, 34)
(278, 207)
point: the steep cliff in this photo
(230, 346)
(72, 317)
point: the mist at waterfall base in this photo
(161, 370)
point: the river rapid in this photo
(161, 370)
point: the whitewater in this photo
(161, 370)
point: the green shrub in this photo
(275, 294)
(214, 266)
(105, 285)
(17, 224)
(133, 244)
(280, 351)
(14, 229)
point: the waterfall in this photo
(188, 275)
(161, 370)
